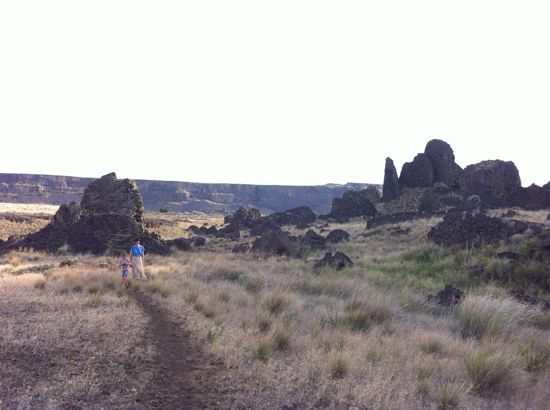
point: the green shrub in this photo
(360, 315)
(213, 333)
(165, 209)
(535, 353)
(40, 284)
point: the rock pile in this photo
(338, 261)
(352, 204)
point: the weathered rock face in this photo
(496, 182)
(390, 190)
(338, 261)
(352, 204)
(417, 174)
(108, 220)
(301, 215)
(532, 197)
(180, 196)
(111, 195)
(442, 158)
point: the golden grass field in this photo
(289, 337)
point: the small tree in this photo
(165, 209)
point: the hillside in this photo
(180, 196)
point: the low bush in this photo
(492, 372)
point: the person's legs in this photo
(135, 271)
(138, 264)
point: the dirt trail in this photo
(186, 376)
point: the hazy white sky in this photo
(278, 92)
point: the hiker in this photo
(124, 262)
(137, 257)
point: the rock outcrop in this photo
(108, 219)
(352, 204)
(442, 158)
(496, 182)
(300, 216)
(474, 229)
(337, 236)
(390, 189)
(418, 173)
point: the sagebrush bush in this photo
(361, 314)
(485, 316)
(492, 372)
(281, 338)
(431, 344)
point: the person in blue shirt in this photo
(137, 260)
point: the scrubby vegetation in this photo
(365, 336)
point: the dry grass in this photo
(363, 337)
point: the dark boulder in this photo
(229, 232)
(532, 197)
(471, 229)
(442, 158)
(264, 226)
(338, 261)
(246, 217)
(302, 215)
(390, 189)
(241, 248)
(352, 204)
(313, 240)
(182, 244)
(337, 236)
(194, 229)
(198, 241)
(495, 182)
(449, 296)
(227, 219)
(417, 174)
(274, 243)
(211, 231)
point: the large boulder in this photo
(246, 217)
(313, 240)
(264, 226)
(442, 158)
(337, 236)
(337, 262)
(418, 173)
(111, 195)
(300, 216)
(496, 182)
(67, 214)
(274, 243)
(390, 189)
(352, 204)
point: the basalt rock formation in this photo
(352, 204)
(108, 219)
(496, 182)
(390, 189)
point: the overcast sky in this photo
(279, 92)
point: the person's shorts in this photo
(124, 273)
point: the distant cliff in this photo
(180, 196)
